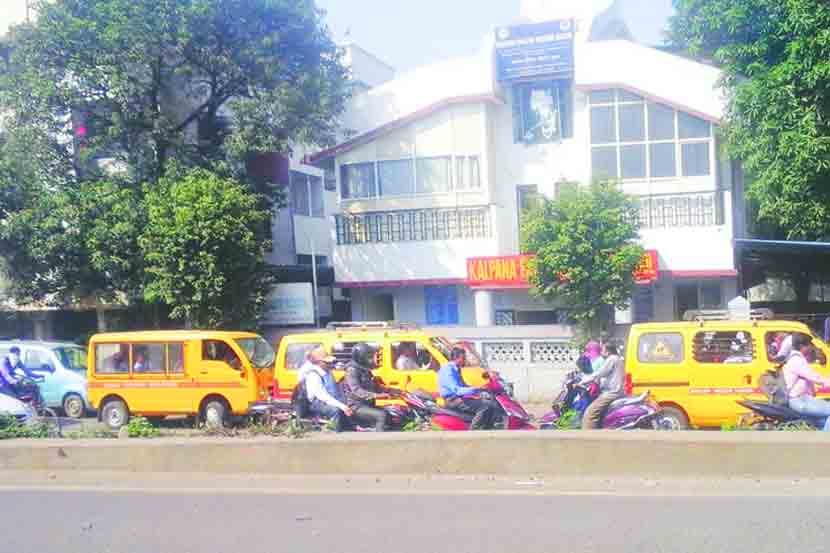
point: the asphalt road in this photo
(252, 521)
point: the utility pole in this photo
(314, 284)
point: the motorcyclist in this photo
(457, 394)
(13, 374)
(611, 378)
(362, 391)
(321, 389)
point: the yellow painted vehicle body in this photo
(431, 353)
(161, 373)
(701, 369)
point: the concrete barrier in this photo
(563, 454)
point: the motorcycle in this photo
(624, 414)
(509, 416)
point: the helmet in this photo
(363, 354)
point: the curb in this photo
(561, 454)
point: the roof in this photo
(168, 335)
(683, 325)
(43, 343)
(787, 246)
(357, 333)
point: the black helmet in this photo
(363, 354)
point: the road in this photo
(468, 517)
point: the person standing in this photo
(611, 379)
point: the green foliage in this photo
(776, 61)
(586, 250)
(140, 427)
(11, 428)
(205, 257)
(161, 87)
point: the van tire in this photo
(672, 418)
(115, 414)
(215, 414)
(73, 406)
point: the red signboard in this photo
(649, 269)
(499, 272)
(512, 271)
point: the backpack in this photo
(774, 386)
(299, 400)
(584, 364)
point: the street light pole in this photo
(314, 284)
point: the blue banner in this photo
(535, 50)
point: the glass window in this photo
(315, 185)
(660, 348)
(633, 161)
(603, 125)
(663, 160)
(660, 122)
(149, 359)
(467, 173)
(542, 112)
(295, 354)
(175, 358)
(728, 346)
(300, 200)
(112, 359)
(358, 181)
(412, 356)
(259, 352)
(604, 162)
(710, 295)
(397, 178)
(689, 126)
(433, 175)
(602, 97)
(695, 159)
(39, 360)
(632, 123)
(217, 350)
(626, 96)
(72, 358)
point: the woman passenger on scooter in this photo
(801, 379)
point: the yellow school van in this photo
(697, 371)
(213, 375)
(407, 358)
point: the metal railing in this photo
(416, 225)
(703, 209)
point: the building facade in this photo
(444, 159)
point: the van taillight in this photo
(629, 384)
(275, 389)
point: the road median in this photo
(561, 454)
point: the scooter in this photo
(624, 414)
(766, 416)
(510, 415)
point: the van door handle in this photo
(394, 383)
(203, 371)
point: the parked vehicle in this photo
(627, 413)
(210, 374)
(698, 371)
(393, 341)
(63, 368)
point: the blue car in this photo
(63, 368)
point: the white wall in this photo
(365, 67)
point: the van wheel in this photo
(115, 414)
(73, 406)
(671, 418)
(215, 414)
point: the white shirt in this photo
(312, 375)
(406, 363)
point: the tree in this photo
(204, 255)
(586, 250)
(102, 100)
(776, 62)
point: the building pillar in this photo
(484, 307)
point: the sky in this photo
(410, 33)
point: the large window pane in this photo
(317, 204)
(695, 159)
(603, 125)
(660, 122)
(602, 97)
(467, 173)
(663, 160)
(633, 161)
(358, 181)
(149, 359)
(397, 178)
(690, 126)
(433, 175)
(299, 193)
(632, 123)
(604, 162)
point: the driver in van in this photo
(407, 358)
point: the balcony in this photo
(418, 225)
(681, 210)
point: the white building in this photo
(444, 157)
